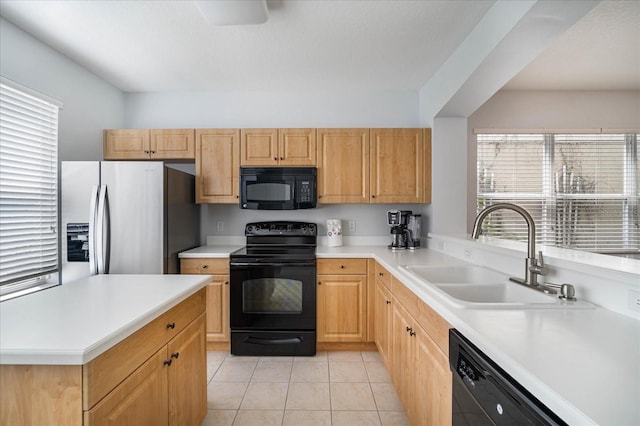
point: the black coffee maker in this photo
(397, 220)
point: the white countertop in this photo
(582, 364)
(73, 323)
(209, 252)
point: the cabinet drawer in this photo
(383, 275)
(103, 373)
(204, 266)
(342, 266)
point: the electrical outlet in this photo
(220, 226)
(352, 226)
(468, 254)
(634, 300)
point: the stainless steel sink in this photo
(477, 287)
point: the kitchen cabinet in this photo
(278, 147)
(143, 144)
(169, 388)
(383, 311)
(217, 166)
(157, 375)
(374, 166)
(343, 166)
(400, 165)
(413, 342)
(217, 324)
(342, 300)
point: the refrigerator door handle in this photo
(93, 268)
(103, 241)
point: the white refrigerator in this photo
(125, 217)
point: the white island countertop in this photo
(582, 363)
(73, 323)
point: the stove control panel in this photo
(280, 228)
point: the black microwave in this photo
(277, 188)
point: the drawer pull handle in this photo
(167, 362)
(175, 355)
(171, 325)
(205, 266)
(388, 302)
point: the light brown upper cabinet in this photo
(217, 165)
(343, 166)
(143, 144)
(400, 165)
(278, 147)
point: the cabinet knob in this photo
(319, 282)
(275, 158)
(171, 325)
(388, 302)
(175, 355)
(167, 362)
(226, 283)
(153, 152)
(380, 274)
(205, 266)
(237, 196)
(319, 196)
(146, 152)
(412, 333)
(341, 266)
(281, 158)
(373, 196)
(409, 329)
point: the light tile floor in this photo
(332, 388)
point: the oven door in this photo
(272, 296)
(267, 192)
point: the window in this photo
(28, 190)
(581, 189)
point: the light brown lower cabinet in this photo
(412, 340)
(218, 330)
(158, 375)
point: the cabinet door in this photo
(218, 309)
(141, 399)
(187, 375)
(297, 147)
(342, 308)
(343, 166)
(432, 399)
(217, 166)
(397, 166)
(259, 147)
(383, 321)
(172, 144)
(402, 357)
(123, 144)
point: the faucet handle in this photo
(541, 264)
(537, 266)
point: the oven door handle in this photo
(259, 341)
(266, 263)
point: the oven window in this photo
(272, 295)
(268, 191)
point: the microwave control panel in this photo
(306, 191)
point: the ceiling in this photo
(145, 46)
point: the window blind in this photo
(28, 189)
(581, 189)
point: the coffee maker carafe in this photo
(397, 220)
(413, 231)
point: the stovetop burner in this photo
(279, 240)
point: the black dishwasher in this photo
(484, 394)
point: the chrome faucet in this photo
(533, 267)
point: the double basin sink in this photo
(477, 287)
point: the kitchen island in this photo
(103, 347)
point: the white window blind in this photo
(28, 189)
(581, 189)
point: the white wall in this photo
(90, 104)
(549, 110)
(280, 109)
